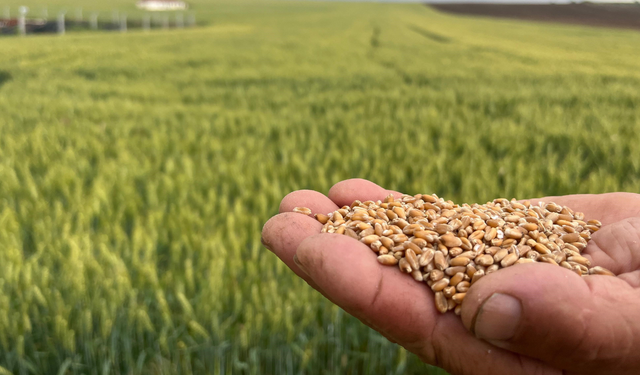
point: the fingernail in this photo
(498, 318)
(297, 262)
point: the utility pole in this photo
(146, 22)
(115, 18)
(123, 23)
(93, 20)
(22, 25)
(61, 28)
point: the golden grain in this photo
(450, 247)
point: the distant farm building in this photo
(158, 5)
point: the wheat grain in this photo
(450, 247)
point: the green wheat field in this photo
(137, 170)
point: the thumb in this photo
(578, 324)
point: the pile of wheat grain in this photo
(450, 247)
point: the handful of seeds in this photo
(450, 246)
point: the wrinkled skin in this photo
(568, 324)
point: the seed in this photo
(523, 250)
(493, 223)
(374, 246)
(477, 276)
(387, 242)
(500, 255)
(466, 244)
(440, 284)
(580, 260)
(579, 245)
(449, 291)
(508, 242)
(449, 240)
(492, 250)
(440, 261)
(368, 240)
(463, 286)
(351, 233)
(553, 207)
(525, 260)
(470, 270)
(417, 275)
(469, 254)
(491, 234)
(548, 259)
(451, 305)
(571, 237)
(411, 257)
(541, 248)
(443, 228)
(410, 245)
(366, 232)
(513, 233)
(436, 275)
(400, 212)
(404, 265)
(456, 279)
(458, 297)
(512, 219)
(419, 242)
(322, 218)
(426, 257)
(509, 260)
(455, 251)
(302, 210)
(453, 270)
(364, 226)
(441, 302)
(485, 260)
(399, 238)
(597, 270)
(477, 235)
(592, 228)
(387, 260)
(460, 261)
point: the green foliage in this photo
(136, 170)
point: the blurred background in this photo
(142, 151)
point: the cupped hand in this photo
(525, 319)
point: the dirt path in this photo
(604, 15)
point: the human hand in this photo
(526, 319)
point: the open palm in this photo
(566, 324)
